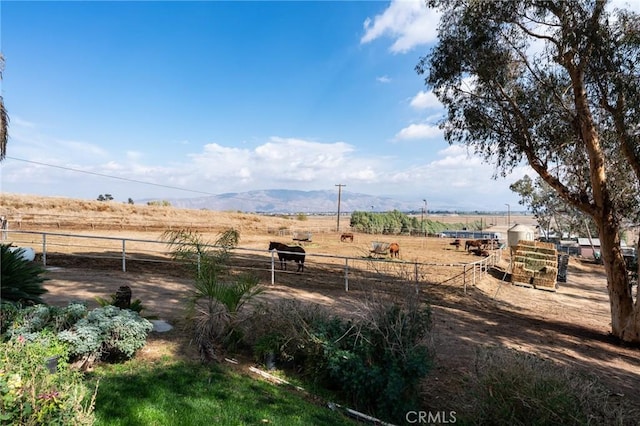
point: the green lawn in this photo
(184, 393)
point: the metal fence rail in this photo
(350, 272)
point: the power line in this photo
(236, 197)
(109, 176)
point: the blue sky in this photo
(218, 97)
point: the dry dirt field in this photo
(570, 326)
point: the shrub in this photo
(375, 362)
(107, 333)
(218, 296)
(8, 313)
(510, 387)
(378, 361)
(20, 280)
(36, 318)
(32, 394)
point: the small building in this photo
(470, 234)
(589, 248)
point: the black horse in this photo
(286, 253)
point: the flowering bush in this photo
(31, 393)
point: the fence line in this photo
(129, 249)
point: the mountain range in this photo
(292, 201)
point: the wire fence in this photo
(320, 270)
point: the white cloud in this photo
(133, 155)
(448, 178)
(383, 79)
(17, 121)
(419, 131)
(82, 148)
(279, 162)
(425, 100)
(409, 22)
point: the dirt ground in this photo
(570, 326)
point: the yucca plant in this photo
(21, 280)
(218, 296)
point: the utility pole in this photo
(424, 210)
(339, 185)
(508, 214)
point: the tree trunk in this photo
(625, 318)
(625, 321)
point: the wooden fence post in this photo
(346, 274)
(124, 256)
(464, 277)
(273, 267)
(44, 249)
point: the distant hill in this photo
(291, 201)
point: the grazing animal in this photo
(473, 243)
(480, 252)
(394, 250)
(286, 253)
(456, 243)
(346, 236)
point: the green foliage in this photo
(34, 319)
(8, 313)
(32, 394)
(510, 387)
(551, 211)
(136, 305)
(161, 203)
(374, 363)
(302, 217)
(105, 197)
(166, 392)
(21, 281)
(396, 222)
(218, 295)
(107, 333)
(570, 109)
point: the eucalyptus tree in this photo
(555, 84)
(4, 118)
(550, 210)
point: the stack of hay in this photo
(535, 264)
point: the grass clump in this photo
(515, 388)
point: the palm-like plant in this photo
(218, 295)
(20, 280)
(4, 119)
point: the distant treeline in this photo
(396, 222)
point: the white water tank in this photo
(24, 253)
(519, 232)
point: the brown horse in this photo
(473, 243)
(394, 250)
(286, 253)
(346, 236)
